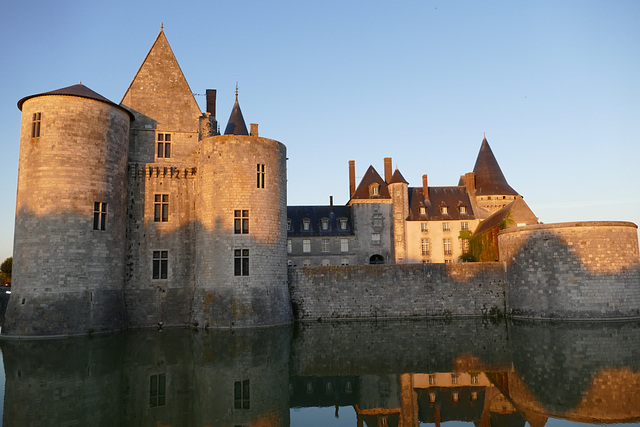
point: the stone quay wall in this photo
(572, 270)
(397, 291)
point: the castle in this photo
(144, 214)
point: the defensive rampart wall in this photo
(572, 270)
(397, 291)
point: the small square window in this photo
(423, 227)
(444, 210)
(463, 209)
(423, 210)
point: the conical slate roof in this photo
(397, 178)
(371, 176)
(236, 125)
(489, 177)
(78, 90)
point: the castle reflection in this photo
(385, 374)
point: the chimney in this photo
(330, 203)
(470, 182)
(425, 187)
(254, 129)
(211, 101)
(387, 169)
(352, 177)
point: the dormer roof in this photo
(236, 124)
(489, 177)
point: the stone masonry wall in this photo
(397, 291)
(572, 270)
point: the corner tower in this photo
(69, 251)
(241, 208)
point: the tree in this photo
(5, 271)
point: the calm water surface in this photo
(359, 374)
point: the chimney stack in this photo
(352, 177)
(330, 203)
(470, 182)
(211, 102)
(387, 169)
(254, 129)
(425, 187)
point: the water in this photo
(457, 372)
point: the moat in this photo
(409, 373)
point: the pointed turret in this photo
(159, 94)
(489, 179)
(236, 125)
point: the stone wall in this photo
(397, 291)
(572, 270)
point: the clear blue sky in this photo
(554, 84)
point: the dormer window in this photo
(325, 224)
(306, 224)
(423, 210)
(343, 223)
(374, 189)
(288, 224)
(463, 209)
(444, 210)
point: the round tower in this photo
(69, 250)
(241, 208)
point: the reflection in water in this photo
(390, 373)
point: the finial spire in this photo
(236, 91)
(161, 26)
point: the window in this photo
(100, 216)
(289, 246)
(375, 238)
(241, 262)
(474, 378)
(344, 245)
(463, 209)
(423, 227)
(344, 261)
(288, 224)
(164, 145)
(446, 243)
(465, 246)
(445, 226)
(444, 210)
(289, 263)
(306, 263)
(160, 265)
(326, 262)
(306, 245)
(424, 246)
(455, 396)
(448, 261)
(325, 245)
(432, 379)
(260, 175)
(464, 226)
(377, 220)
(374, 189)
(241, 395)
(423, 210)
(325, 223)
(306, 224)
(157, 390)
(343, 223)
(432, 397)
(35, 125)
(161, 208)
(241, 221)
(454, 378)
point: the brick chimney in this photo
(470, 182)
(330, 203)
(425, 187)
(387, 169)
(211, 101)
(352, 177)
(254, 129)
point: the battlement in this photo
(137, 170)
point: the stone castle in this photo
(144, 214)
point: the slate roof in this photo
(489, 177)
(78, 90)
(371, 176)
(236, 124)
(451, 197)
(397, 178)
(520, 213)
(315, 214)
